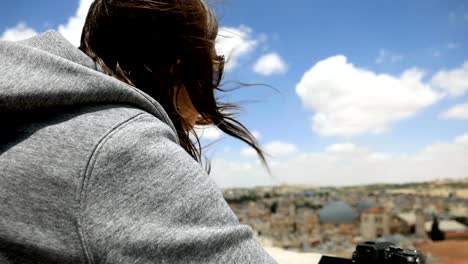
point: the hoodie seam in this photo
(85, 177)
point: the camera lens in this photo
(406, 256)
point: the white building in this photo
(375, 223)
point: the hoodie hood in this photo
(46, 71)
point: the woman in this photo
(96, 162)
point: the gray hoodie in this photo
(91, 170)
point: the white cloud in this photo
(456, 112)
(360, 165)
(208, 132)
(248, 152)
(348, 101)
(387, 56)
(462, 140)
(228, 174)
(235, 43)
(257, 134)
(270, 64)
(19, 32)
(340, 147)
(454, 82)
(376, 156)
(72, 30)
(275, 149)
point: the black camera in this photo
(385, 252)
(372, 252)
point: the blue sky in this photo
(366, 91)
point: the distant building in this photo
(280, 224)
(447, 226)
(409, 223)
(459, 210)
(306, 221)
(404, 223)
(375, 223)
(286, 206)
(419, 224)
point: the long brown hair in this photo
(156, 46)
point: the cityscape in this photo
(331, 221)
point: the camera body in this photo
(373, 252)
(386, 253)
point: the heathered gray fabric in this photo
(91, 171)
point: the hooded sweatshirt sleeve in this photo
(145, 200)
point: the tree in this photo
(436, 234)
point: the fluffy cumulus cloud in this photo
(270, 64)
(19, 32)
(275, 149)
(348, 101)
(72, 29)
(208, 132)
(456, 112)
(348, 164)
(235, 43)
(454, 81)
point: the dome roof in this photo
(337, 212)
(363, 205)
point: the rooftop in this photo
(447, 251)
(374, 210)
(456, 235)
(447, 225)
(409, 218)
